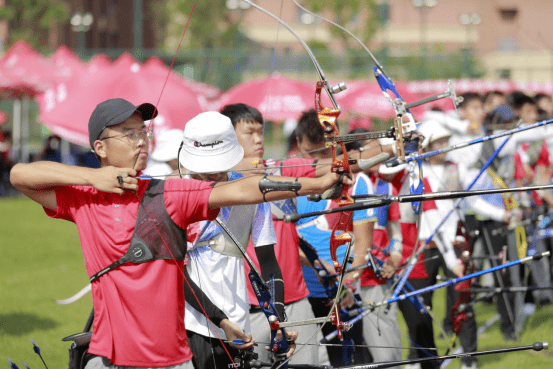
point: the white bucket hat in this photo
(167, 145)
(210, 144)
(433, 130)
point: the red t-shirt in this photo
(287, 247)
(138, 308)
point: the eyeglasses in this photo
(134, 135)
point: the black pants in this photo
(468, 334)
(493, 241)
(421, 333)
(209, 352)
(335, 353)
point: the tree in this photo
(211, 26)
(33, 20)
(358, 16)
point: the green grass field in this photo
(41, 261)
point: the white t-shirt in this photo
(157, 169)
(221, 276)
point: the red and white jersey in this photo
(526, 164)
(407, 218)
(438, 178)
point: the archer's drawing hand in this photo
(113, 179)
(233, 332)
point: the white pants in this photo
(384, 319)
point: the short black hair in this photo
(468, 97)
(492, 93)
(540, 96)
(291, 142)
(242, 112)
(517, 99)
(309, 128)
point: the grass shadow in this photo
(17, 324)
(541, 316)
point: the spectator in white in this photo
(164, 159)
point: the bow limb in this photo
(279, 346)
(327, 119)
(330, 91)
(328, 281)
(385, 83)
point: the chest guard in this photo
(152, 221)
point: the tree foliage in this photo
(212, 24)
(358, 16)
(32, 19)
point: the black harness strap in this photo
(152, 221)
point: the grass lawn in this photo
(42, 261)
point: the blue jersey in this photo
(317, 230)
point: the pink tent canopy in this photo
(66, 64)
(32, 69)
(432, 87)
(99, 61)
(206, 93)
(67, 107)
(367, 99)
(277, 98)
(12, 87)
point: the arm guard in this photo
(267, 185)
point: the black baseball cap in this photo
(115, 111)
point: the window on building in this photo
(508, 14)
(383, 12)
(508, 43)
(504, 73)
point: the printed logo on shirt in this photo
(211, 144)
